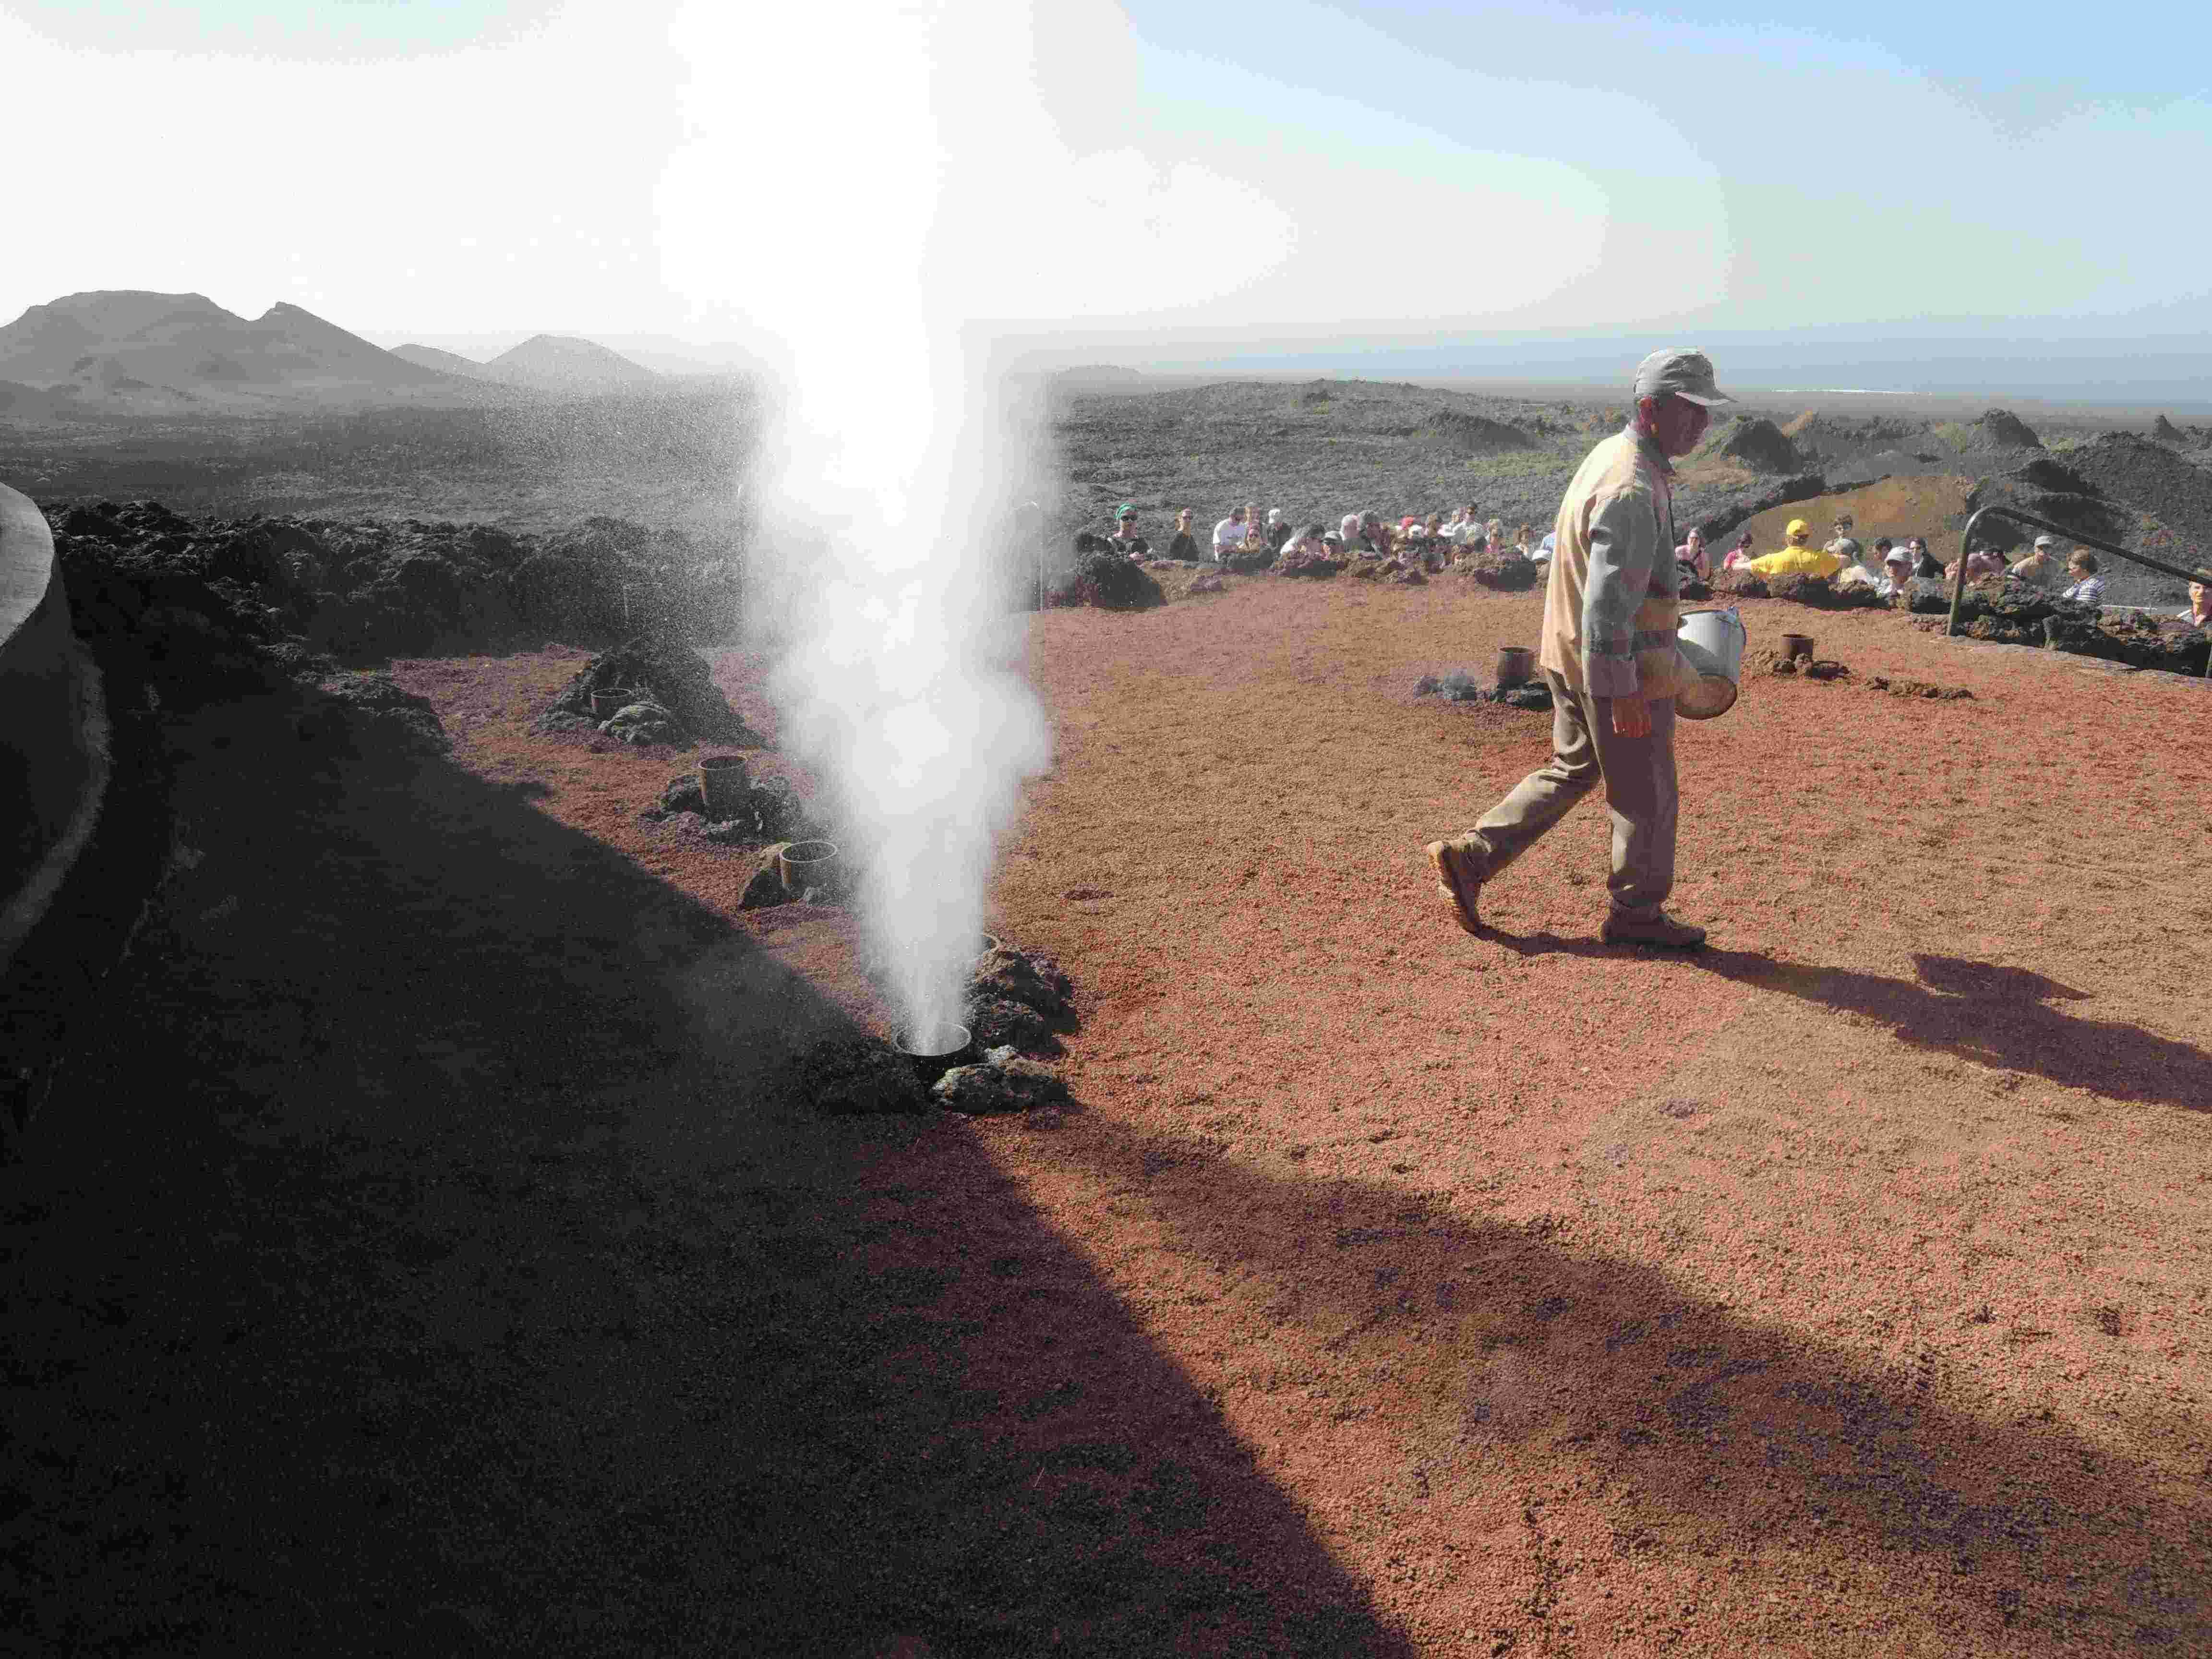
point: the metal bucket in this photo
(1516, 664)
(613, 699)
(722, 781)
(1712, 641)
(1796, 645)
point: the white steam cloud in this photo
(882, 190)
(817, 183)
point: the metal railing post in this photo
(1966, 540)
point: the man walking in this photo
(1608, 653)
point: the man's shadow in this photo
(2004, 1018)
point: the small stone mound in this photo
(680, 685)
(644, 723)
(850, 1076)
(1502, 573)
(1756, 442)
(1004, 1081)
(1534, 696)
(1817, 591)
(2163, 431)
(1111, 582)
(767, 809)
(1034, 981)
(1311, 565)
(1999, 429)
(1906, 687)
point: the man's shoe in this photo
(1662, 929)
(1457, 884)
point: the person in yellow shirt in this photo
(1794, 558)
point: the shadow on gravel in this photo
(1993, 1016)
(434, 1259)
(1705, 1434)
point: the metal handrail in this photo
(1967, 538)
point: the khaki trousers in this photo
(1638, 774)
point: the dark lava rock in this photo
(1004, 1082)
(1247, 560)
(385, 588)
(2048, 472)
(679, 680)
(1756, 442)
(1504, 573)
(161, 610)
(1906, 687)
(1000, 1022)
(374, 718)
(1999, 429)
(1034, 981)
(2163, 431)
(766, 890)
(643, 724)
(1823, 594)
(1111, 582)
(1535, 697)
(684, 794)
(1720, 513)
(2138, 640)
(2151, 478)
(853, 1076)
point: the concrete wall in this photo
(53, 726)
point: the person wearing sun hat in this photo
(1896, 572)
(2042, 567)
(1609, 656)
(1125, 540)
(1794, 558)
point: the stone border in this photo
(54, 715)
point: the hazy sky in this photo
(1271, 172)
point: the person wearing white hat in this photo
(2042, 567)
(1897, 573)
(1609, 656)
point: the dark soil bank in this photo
(219, 600)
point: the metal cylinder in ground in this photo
(722, 781)
(809, 865)
(933, 1053)
(1516, 664)
(1796, 645)
(612, 699)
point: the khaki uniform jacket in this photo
(1610, 607)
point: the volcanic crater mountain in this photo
(130, 352)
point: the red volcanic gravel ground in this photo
(1840, 1290)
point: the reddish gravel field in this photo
(1840, 1290)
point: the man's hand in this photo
(1631, 717)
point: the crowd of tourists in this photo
(1889, 566)
(1246, 537)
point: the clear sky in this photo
(1271, 172)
